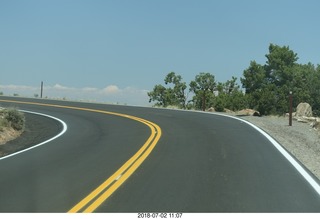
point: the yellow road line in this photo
(92, 201)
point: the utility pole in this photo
(41, 89)
(290, 108)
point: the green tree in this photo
(230, 96)
(159, 94)
(172, 95)
(228, 87)
(179, 95)
(203, 87)
(265, 100)
(254, 77)
(268, 86)
(280, 60)
(312, 87)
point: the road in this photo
(198, 162)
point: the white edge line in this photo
(65, 128)
(295, 164)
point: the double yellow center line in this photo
(99, 195)
(105, 190)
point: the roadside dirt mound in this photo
(8, 134)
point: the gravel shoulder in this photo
(300, 139)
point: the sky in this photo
(115, 51)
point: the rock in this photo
(172, 107)
(303, 110)
(310, 119)
(302, 120)
(228, 111)
(211, 109)
(315, 124)
(256, 113)
(305, 119)
(248, 112)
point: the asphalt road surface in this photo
(192, 162)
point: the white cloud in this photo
(89, 89)
(60, 87)
(111, 89)
(109, 94)
(17, 87)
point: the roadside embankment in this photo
(12, 124)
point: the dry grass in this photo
(11, 124)
(8, 134)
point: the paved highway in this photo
(185, 162)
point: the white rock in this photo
(303, 109)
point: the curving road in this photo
(198, 163)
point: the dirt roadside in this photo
(8, 134)
(300, 139)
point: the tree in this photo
(280, 60)
(158, 94)
(203, 87)
(228, 87)
(268, 86)
(230, 96)
(174, 95)
(312, 87)
(265, 100)
(179, 95)
(254, 77)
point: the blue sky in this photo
(117, 50)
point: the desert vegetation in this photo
(12, 124)
(264, 87)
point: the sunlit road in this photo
(201, 163)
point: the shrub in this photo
(219, 104)
(15, 118)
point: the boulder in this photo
(228, 111)
(248, 112)
(315, 124)
(303, 110)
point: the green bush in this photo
(15, 118)
(219, 104)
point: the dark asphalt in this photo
(37, 130)
(202, 163)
